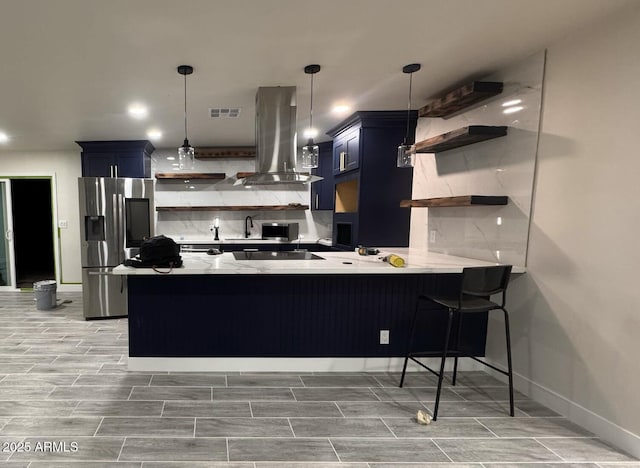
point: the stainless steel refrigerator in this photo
(116, 214)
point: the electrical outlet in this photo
(63, 224)
(432, 235)
(384, 336)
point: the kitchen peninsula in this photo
(220, 313)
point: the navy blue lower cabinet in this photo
(287, 315)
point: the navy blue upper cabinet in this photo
(126, 158)
(322, 191)
(368, 185)
(346, 151)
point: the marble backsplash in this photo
(503, 166)
(195, 225)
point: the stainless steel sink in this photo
(276, 255)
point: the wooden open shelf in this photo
(464, 200)
(215, 152)
(461, 98)
(242, 175)
(461, 137)
(290, 207)
(190, 175)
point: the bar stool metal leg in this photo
(442, 363)
(455, 370)
(409, 347)
(455, 361)
(509, 363)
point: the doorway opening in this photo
(33, 235)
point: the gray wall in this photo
(576, 312)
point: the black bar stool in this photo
(478, 284)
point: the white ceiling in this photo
(71, 67)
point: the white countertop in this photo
(347, 263)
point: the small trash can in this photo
(45, 292)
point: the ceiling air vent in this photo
(225, 112)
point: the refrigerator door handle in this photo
(121, 227)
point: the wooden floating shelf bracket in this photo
(461, 137)
(464, 200)
(461, 98)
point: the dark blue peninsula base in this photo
(284, 315)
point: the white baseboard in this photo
(253, 364)
(583, 417)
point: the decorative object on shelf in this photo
(310, 151)
(463, 200)
(407, 152)
(186, 152)
(461, 98)
(461, 137)
(216, 227)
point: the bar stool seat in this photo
(477, 285)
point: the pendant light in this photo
(310, 152)
(407, 152)
(186, 152)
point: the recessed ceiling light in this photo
(4, 138)
(310, 133)
(154, 134)
(138, 111)
(340, 109)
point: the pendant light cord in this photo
(311, 105)
(185, 108)
(406, 137)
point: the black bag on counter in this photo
(157, 252)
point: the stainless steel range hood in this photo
(276, 139)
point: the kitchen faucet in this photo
(246, 228)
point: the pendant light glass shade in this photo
(311, 152)
(406, 155)
(407, 152)
(186, 156)
(310, 155)
(186, 152)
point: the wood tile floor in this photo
(67, 400)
